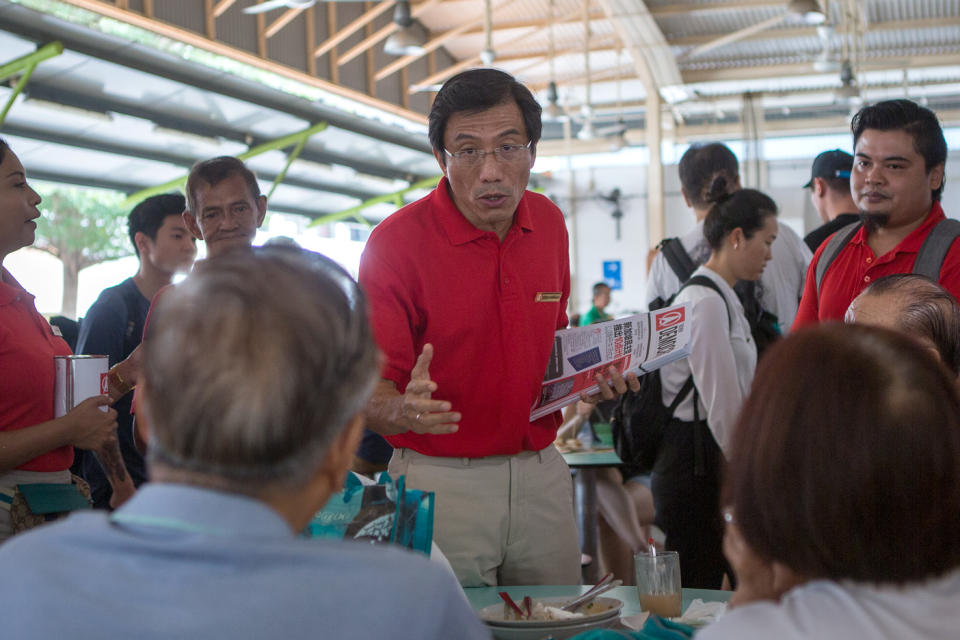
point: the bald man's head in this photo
(917, 306)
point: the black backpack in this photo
(764, 326)
(640, 418)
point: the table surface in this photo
(480, 597)
(601, 455)
(592, 458)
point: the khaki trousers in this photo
(500, 520)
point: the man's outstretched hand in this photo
(420, 411)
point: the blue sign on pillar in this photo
(611, 274)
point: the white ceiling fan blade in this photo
(617, 129)
(269, 5)
(734, 36)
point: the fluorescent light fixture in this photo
(66, 108)
(676, 93)
(186, 136)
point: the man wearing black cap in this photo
(830, 192)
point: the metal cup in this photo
(76, 379)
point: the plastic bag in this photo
(386, 512)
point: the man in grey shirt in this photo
(254, 398)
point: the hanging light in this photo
(488, 55)
(407, 40)
(848, 92)
(808, 10)
(617, 142)
(587, 131)
(553, 110)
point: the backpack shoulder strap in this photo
(683, 393)
(836, 242)
(704, 281)
(935, 247)
(133, 332)
(678, 258)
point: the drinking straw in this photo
(653, 548)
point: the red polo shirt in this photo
(856, 266)
(27, 348)
(431, 276)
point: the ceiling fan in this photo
(616, 198)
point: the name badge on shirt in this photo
(56, 330)
(548, 296)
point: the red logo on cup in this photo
(669, 318)
(104, 383)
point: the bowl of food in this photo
(547, 620)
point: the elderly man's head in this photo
(251, 389)
(915, 305)
(224, 204)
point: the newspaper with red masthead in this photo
(640, 343)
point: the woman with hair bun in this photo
(740, 229)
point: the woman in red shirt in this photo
(35, 447)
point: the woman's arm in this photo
(86, 426)
(574, 415)
(713, 365)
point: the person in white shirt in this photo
(781, 285)
(843, 512)
(740, 230)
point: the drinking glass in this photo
(658, 582)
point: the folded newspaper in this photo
(640, 344)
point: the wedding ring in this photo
(418, 417)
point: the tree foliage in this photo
(81, 227)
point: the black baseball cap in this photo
(830, 165)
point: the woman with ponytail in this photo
(740, 228)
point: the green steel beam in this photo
(299, 138)
(283, 174)
(25, 64)
(45, 52)
(396, 197)
(283, 142)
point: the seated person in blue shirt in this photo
(256, 372)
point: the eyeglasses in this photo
(503, 153)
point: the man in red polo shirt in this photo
(897, 180)
(467, 287)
